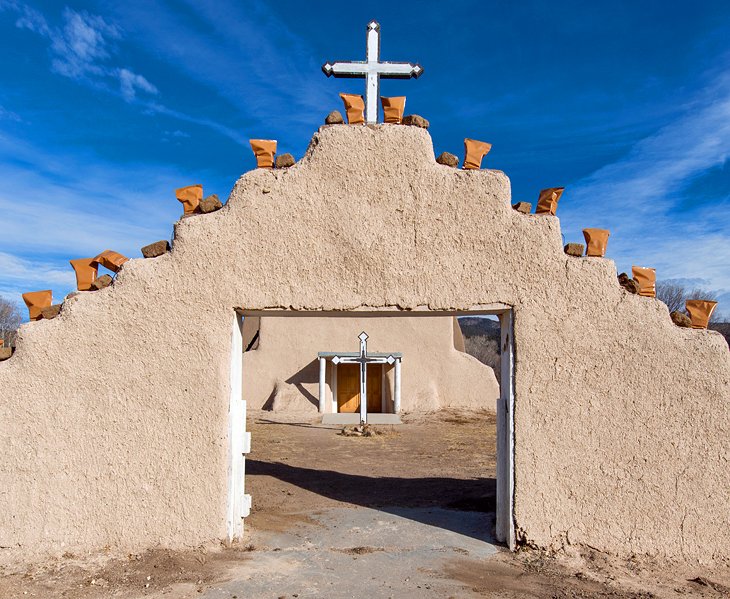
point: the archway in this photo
(239, 503)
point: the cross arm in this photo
(400, 70)
(345, 69)
(386, 70)
(367, 360)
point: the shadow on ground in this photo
(394, 495)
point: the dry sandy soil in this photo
(419, 496)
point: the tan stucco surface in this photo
(113, 420)
(283, 373)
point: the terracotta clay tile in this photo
(355, 108)
(700, 312)
(189, 197)
(474, 152)
(86, 270)
(36, 301)
(596, 242)
(646, 278)
(547, 202)
(393, 109)
(111, 260)
(264, 150)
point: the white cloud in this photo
(642, 199)
(82, 48)
(130, 82)
(18, 275)
(79, 205)
(58, 207)
(28, 18)
(257, 62)
(232, 134)
(648, 180)
(9, 115)
(81, 45)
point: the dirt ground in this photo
(422, 481)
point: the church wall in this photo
(113, 420)
(434, 374)
(458, 336)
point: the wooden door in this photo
(375, 388)
(348, 388)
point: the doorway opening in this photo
(311, 389)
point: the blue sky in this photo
(106, 107)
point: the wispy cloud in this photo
(257, 64)
(131, 82)
(18, 275)
(232, 134)
(9, 115)
(651, 177)
(174, 136)
(81, 45)
(642, 198)
(275, 59)
(83, 49)
(58, 207)
(75, 204)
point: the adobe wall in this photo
(113, 420)
(283, 373)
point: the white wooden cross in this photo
(372, 70)
(363, 360)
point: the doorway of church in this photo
(349, 394)
(316, 388)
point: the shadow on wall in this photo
(307, 375)
(393, 495)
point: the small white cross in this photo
(372, 70)
(362, 360)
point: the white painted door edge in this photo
(239, 441)
(505, 526)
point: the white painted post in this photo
(238, 438)
(334, 388)
(396, 385)
(322, 384)
(505, 529)
(363, 394)
(363, 337)
(372, 81)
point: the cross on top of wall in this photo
(372, 70)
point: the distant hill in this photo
(481, 339)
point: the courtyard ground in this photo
(407, 512)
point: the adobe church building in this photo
(291, 364)
(122, 420)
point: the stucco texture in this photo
(283, 373)
(113, 420)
